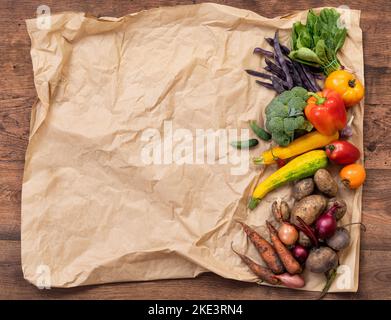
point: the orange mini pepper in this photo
(353, 175)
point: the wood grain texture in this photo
(205, 287)
(17, 94)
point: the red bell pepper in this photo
(326, 111)
(342, 152)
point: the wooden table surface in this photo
(17, 94)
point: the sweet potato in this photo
(265, 249)
(261, 272)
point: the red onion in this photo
(326, 224)
(300, 253)
(291, 281)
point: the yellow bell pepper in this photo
(347, 85)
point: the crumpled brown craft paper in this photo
(92, 211)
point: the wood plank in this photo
(377, 131)
(14, 129)
(375, 283)
(10, 193)
(375, 212)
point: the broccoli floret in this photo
(299, 92)
(297, 104)
(284, 97)
(291, 124)
(275, 124)
(284, 115)
(276, 109)
(281, 138)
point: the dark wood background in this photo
(17, 94)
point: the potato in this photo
(309, 208)
(280, 210)
(342, 207)
(321, 260)
(304, 240)
(340, 240)
(303, 188)
(325, 183)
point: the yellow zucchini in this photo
(310, 141)
(300, 167)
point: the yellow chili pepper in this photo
(310, 141)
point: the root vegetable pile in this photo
(308, 236)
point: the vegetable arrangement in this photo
(309, 127)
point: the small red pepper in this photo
(342, 152)
(281, 162)
(326, 111)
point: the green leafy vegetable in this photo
(285, 115)
(317, 42)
